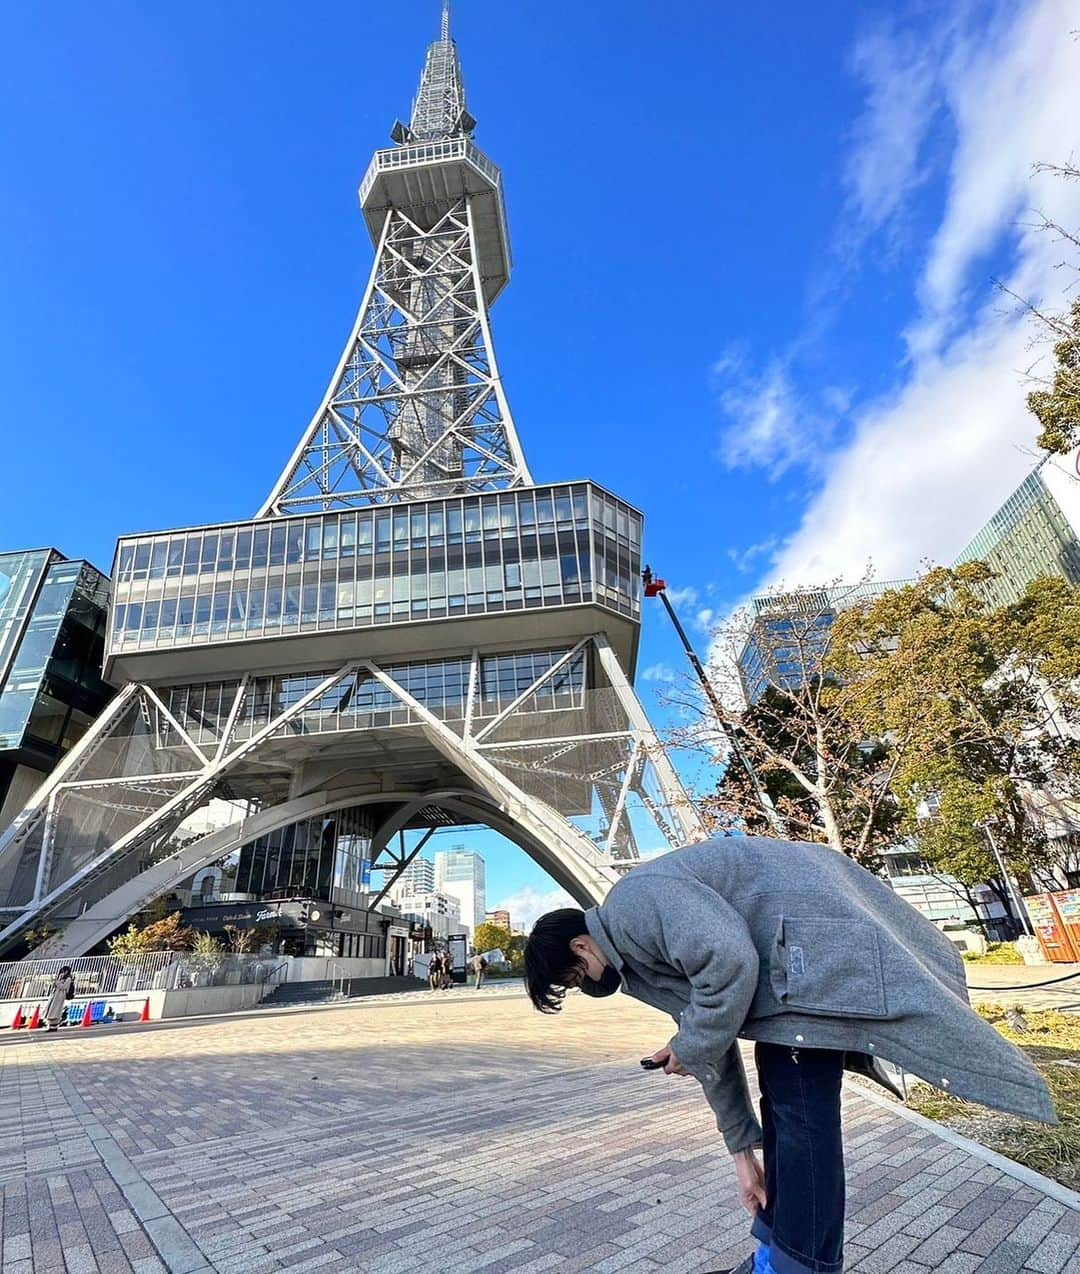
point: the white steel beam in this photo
(682, 808)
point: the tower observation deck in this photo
(410, 634)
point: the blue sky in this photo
(753, 250)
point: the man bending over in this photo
(825, 968)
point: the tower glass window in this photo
(514, 550)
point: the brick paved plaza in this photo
(457, 1134)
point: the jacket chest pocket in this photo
(824, 965)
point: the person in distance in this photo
(818, 962)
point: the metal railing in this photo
(338, 977)
(450, 149)
(147, 971)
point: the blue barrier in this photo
(75, 1012)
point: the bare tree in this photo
(770, 665)
(1055, 402)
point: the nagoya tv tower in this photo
(410, 634)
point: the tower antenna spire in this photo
(444, 33)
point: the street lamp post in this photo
(1010, 884)
(658, 588)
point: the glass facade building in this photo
(1032, 534)
(417, 878)
(328, 857)
(461, 873)
(431, 560)
(52, 634)
(779, 650)
(789, 632)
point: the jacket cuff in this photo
(745, 1135)
(698, 1061)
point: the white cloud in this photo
(1014, 100)
(769, 425)
(658, 672)
(528, 903)
(837, 398)
(687, 596)
(745, 559)
(927, 464)
(899, 74)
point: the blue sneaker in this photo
(762, 1264)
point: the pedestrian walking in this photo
(819, 963)
(447, 971)
(479, 964)
(435, 971)
(61, 990)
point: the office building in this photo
(416, 879)
(789, 633)
(1035, 532)
(460, 873)
(500, 918)
(436, 912)
(52, 641)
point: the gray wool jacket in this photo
(744, 937)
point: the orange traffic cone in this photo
(17, 1024)
(86, 1016)
(144, 1016)
(35, 1018)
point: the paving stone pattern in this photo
(429, 1134)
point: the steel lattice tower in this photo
(410, 633)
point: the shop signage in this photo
(1051, 928)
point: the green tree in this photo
(166, 934)
(985, 698)
(1057, 408)
(38, 935)
(515, 952)
(489, 937)
(205, 944)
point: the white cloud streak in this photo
(528, 903)
(745, 559)
(687, 596)
(929, 462)
(900, 78)
(770, 426)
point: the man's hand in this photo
(751, 1180)
(671, 1064)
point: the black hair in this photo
(65, 969)
(550, 965)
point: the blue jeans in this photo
(803, 1220)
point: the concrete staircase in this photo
(294, 994)
(299, 994)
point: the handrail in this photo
(277, 969)
(337, 981)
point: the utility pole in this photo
(658, 588)
(1010, 884)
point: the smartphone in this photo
(647, 1064)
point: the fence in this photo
(149, 971)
